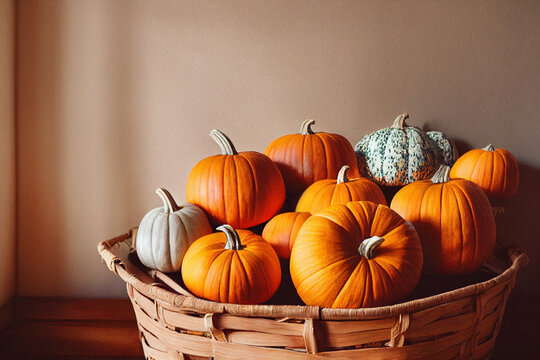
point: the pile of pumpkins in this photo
(346, 248)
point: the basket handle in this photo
(107, 250)
(518, 257)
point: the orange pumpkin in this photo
(360, 254)
(241, 189)
(324, 193)
(307, 157)
(281, 231)
(496, 171)
(232, 266)
(454, 220)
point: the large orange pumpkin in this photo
(454, 220)
(241, 189)
(360, 254)
(281, 231)
(307, 157)
(232, 266)
(496, 171)
(327, 192)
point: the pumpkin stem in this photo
(306, 127)
(342, 175)
(225, 144)
(368, 246)
(442, 175)
(399, 123)
(489, 148)
(233, 239)
(168, 201)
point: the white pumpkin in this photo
(165, 233)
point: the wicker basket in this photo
(173, 324)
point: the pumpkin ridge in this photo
(303, 157)
(503, 158)
(339, 262)
(394, 288)
(473, 215)
(330, 218)
(462, 209)
(368, 220)
(420, 212)
(435, 190)
(397, 272)
(225, 277)
(215, 269)
(343, 291)
(255, 186)
(385, 279)
(153, 247)
(208, 175)
(226, 204)
(381, 212)
(247, 259)
(348, 191)
(239, 213)
(474, 162)
(491, 161)
(326, 155)
(368, 280)
(394, 230)
(497, 164)
(170, 235)
(245, 276)
(455, 194)
(372, 279)
(221, 201)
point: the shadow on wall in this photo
(39, 158)
(122, 136)
(519, 225)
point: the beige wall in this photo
(117, 98)
(7, 152)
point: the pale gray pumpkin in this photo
(165, 233)
(397, 155)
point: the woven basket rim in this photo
(131, 274)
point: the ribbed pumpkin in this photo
(357, 255)
(324, 193)
(241, 189)
(308, 156)
(400, 154)
(165, 233)
(281, 231)
(454, 220)
(496, 171)
(232, 266)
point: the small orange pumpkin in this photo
(307, 157)
(496, 171)
(360, 254)
(241, 189)
(232, 266)
(324, 193)
(454, 220)
(281, 231)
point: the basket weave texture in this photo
(174, 324)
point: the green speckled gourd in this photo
(398, 155)
(447, 153)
